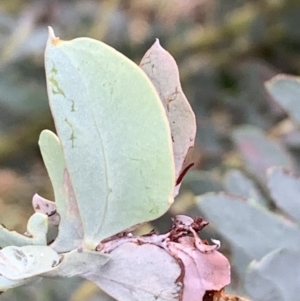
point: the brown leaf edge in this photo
(221, 296)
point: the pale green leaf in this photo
(37, 228)
(114, 134)
(70, 228)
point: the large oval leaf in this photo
(114, 133)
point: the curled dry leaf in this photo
(162, 70)
(184, 267)
(203, 271)
(46, 207)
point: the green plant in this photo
(117, 162)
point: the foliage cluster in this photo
(226, 51)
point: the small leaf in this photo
(284, 188)
(43, 205)
(275, 277)
(46, 207)
(18, 263)
(70, 228)
(248, 227)
(286, 91)
(259, 152)
(37, 229)
(162, 70)
(114, 134)
(139, 272)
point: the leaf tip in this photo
(269, 83)
(157, 45)
(157, 42)
(51, 37)
(279, 78)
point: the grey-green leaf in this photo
(70, 232)
(248, 227)
(139, 273)
(275, 277)
(260, 152)
(284, 188)
(285, 90)
(237, 183)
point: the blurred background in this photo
(225, 49)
